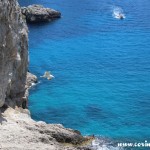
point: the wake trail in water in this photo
(118, 13)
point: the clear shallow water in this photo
(101, 67)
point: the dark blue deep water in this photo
(101, 67)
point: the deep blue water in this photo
(101, 67)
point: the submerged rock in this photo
(48, 75)
(37, 13)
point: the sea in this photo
(101, 65)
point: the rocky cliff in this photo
(13, 55)
(17, 130)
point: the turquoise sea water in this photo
(101, 67)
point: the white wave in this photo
(33, 84)
(103, 144)
(118, 13)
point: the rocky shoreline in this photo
(19, 132)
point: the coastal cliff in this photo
(13, 55)
(17, 130)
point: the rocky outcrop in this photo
(37, 13)
(13, 54)
(19, 132)
(31, 80)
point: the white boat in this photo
(119, 16)
(118, 13)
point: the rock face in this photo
(13, 54)
(37, 13)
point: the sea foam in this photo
(117, 11)
(104, 144)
